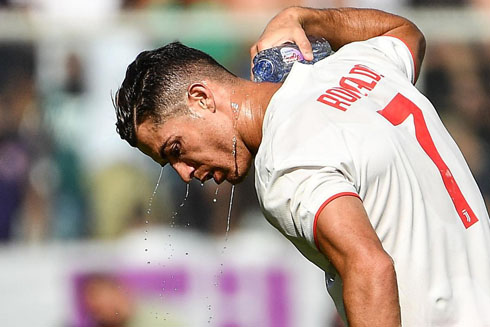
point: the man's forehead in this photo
(149, 139)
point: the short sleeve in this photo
(302, 193)
(382, 51)
(397, 52)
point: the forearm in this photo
(339, 27)
(371, 295)
(346, 25)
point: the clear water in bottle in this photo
(274, 64)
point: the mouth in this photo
(217, 178)
(206, 177)
(211, 175)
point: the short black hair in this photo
(156, 83)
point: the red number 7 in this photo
(396, 112)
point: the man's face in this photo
(201, 146)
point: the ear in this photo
(200, 97)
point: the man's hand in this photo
(338, 27)
(346, 237)
(284, 27)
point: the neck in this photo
(249, 103)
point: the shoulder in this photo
(388, 51)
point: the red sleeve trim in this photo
(415, 68)
(330, 199)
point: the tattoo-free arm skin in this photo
(339, 26)
(345, 236)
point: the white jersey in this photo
(354, 124)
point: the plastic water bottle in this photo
(274, 64)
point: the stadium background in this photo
(77, 241)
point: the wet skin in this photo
(220, 136)
(200, 146)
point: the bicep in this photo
(345, 236)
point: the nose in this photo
(185, 171)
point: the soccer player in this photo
(353, 164)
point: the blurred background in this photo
(87, 238)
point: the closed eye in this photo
(175, 150)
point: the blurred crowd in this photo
(53, 186)
(247, 5)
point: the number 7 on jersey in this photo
(396, 112)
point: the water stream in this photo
(150, 203)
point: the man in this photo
(353, 165)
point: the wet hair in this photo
(156, 83)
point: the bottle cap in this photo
(263, 70)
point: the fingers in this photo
(299, 39)
(284, 27)
(304, 45)
(253, 52)
(265, 42)
(296, 36)
(269, 41)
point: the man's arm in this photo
(339, 27)
(345, 235)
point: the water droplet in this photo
(150, 202)
(234, 153)
(236, 111)
(185, 199)
(229, 212)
